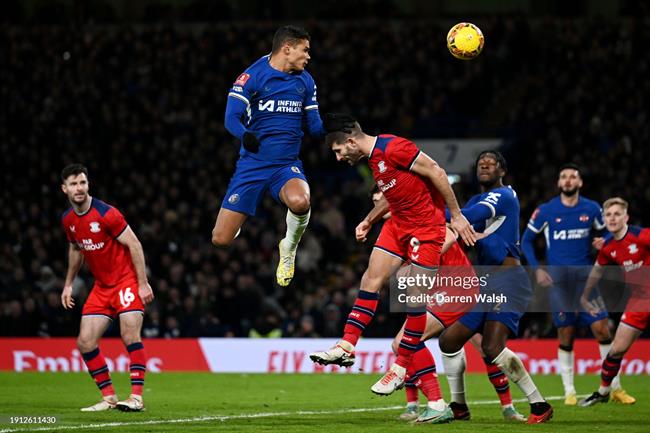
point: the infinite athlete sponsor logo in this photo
(570, 234)
(280, 106)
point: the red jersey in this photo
(632, 254)
(96, 232)
(413, 201)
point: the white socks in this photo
(296, 225)
(604, 350)
(454, 364)
(438, 405)
(512, 366)
(565, 359)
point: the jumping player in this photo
(628, 247)
(100, 236)
(494, 212)
(276, 95)
(568, 223)
(416, 190)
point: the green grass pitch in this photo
(203, 402)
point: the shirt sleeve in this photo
(538, 220)
(68, 233)
(314, 122)
(402, 153)
(598, 223)
(115, 222)
(528, 246)
(238, 102)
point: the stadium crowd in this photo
(143, 108)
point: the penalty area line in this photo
(223, 418)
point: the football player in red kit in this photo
(99, 236)
(416, 190)
(629, 248)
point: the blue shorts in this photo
(251, 180)
(564, 297)
(515, 285)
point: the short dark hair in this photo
(288, 34)
(570, 166)
(497, 155)
(340, 136)
(73, 170)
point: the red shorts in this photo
(638, 320)
(111, 301)
(419, 245)
(446, 318)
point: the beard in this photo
(569, 192)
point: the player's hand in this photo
(543, 278)
(251, 143)
(362, 230)
(146, 293)
(338, 122)
(460, 225)
(598, 243)
(66, 298)
(589, 307)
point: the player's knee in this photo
(492, 349)
(219, 239)
(85, 344)
(447, 345)
(298, 203)
(129, 337)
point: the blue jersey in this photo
(273, 105)
(495, 212)
(567, 231)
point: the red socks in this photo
(99, 371)
(137, 367)
(360, 316)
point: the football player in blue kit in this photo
(267, 107)
(495, 213)
(568, 222)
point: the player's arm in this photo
(236, 105)
(376, 213)
(312, 116)
(429, 169)
(130, 240)
(594, 277)
(75, 260)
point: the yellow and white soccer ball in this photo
(465, 41)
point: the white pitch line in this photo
(223, 418)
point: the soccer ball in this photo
(465, 41)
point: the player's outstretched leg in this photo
(381, 266)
